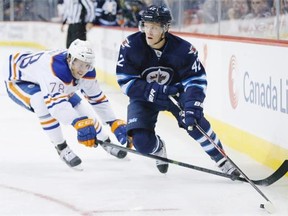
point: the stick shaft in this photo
(223, 153)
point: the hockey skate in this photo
(69, 157)
(113, 151)
(226, 167)
(161, 165)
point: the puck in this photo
(262, 206)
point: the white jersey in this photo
(50, 70)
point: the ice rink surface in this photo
(34, 181)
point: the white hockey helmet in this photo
(82, 50)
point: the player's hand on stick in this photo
(158, 94)
(193, 112)
(86, 133)
(118, 127)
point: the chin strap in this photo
(159, 41)
(162, 38)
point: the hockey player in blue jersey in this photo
(152, 65)
(46, 83)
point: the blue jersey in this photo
(177, 63)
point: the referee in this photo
(79, 15)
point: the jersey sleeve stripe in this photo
(51, 101)
(13, 89)
(14, 70)
(51, 105)
(126, 81)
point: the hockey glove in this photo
(86, 132)
(193, 112)
(118, 127)
(158, 94)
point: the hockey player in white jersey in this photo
(46, 83)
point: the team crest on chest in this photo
(161, 75)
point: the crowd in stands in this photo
(206, 11)
(250, 15)
(27, 10)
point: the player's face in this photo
(154, 33)
(79, 68)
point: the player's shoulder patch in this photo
(125, 43)
(192, 50)
(182, 46)
(132, 40)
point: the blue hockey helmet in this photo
(158, 14)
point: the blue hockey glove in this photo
(158, 94)
(118, 127)
(193, 112)
(86, 132)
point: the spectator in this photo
(190, 12)
(284, 6)
(259, 9)
(209, 11)
(225, 6)
(106, 12)
(17, 12)
(238, 10)
(259, 21)
(131, 11)
(283, 17)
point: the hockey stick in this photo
(278, 173)
(268, 205)
(109, 144)
(281, 171)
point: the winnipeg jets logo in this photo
(160, 75)
(192, 50)
(125, 43)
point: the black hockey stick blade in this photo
(280, 172)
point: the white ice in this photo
(34, 181)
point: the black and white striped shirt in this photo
(78, 11)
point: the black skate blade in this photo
(163, 168)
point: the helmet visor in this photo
(80, 68)
(152, 27)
